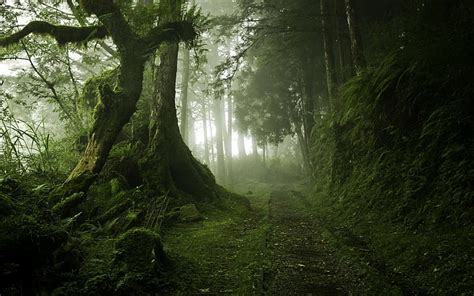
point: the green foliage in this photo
(398, 153)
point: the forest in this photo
(236, 147)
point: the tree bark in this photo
(184, 97)
(221, 169)
(304, 150)
(113, 111)
(357, 50)
(254, 147)
(241, 145)
(206, 138)
(213, 153)
(328, 41)
(229, 139)
(172, 166)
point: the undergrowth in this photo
(395, 163)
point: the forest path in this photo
(301, 262)
(309, 257)
(280, 247)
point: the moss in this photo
(189, 213)
(89, 96)
(115, 211)
(69, 206)
(139, 250)
(99, 285)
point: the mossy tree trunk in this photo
(170, 162)
(171, 165)
(112, 112)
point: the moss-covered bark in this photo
(170, 163)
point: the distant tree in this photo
(358, 57)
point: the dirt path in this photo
(301, 264)
(280, 247)
(306, 261)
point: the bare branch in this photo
(62, 34)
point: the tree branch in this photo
(169, 32)
(62, 34)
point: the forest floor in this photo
(280, 247)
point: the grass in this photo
(225, 253)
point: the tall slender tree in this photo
(357, 50)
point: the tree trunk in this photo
(357, 50)
(229, 139)
(184, 97)
(113, 111)
(304, 150)
(343, 46)
(206, 140)
(328, 41)
(213, 153)
(254, 148)
(171, 163)
(221, 172)
(241, 145)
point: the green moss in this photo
(139, 250)
(69, 206)
(117, 210)
(189, 213)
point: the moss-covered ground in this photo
(225, 253)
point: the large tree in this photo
(172, 164)
(116, 103)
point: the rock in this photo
(189, 213)
(139, 250)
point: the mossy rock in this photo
(139, 250)
(118, 185)
(189, 213)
